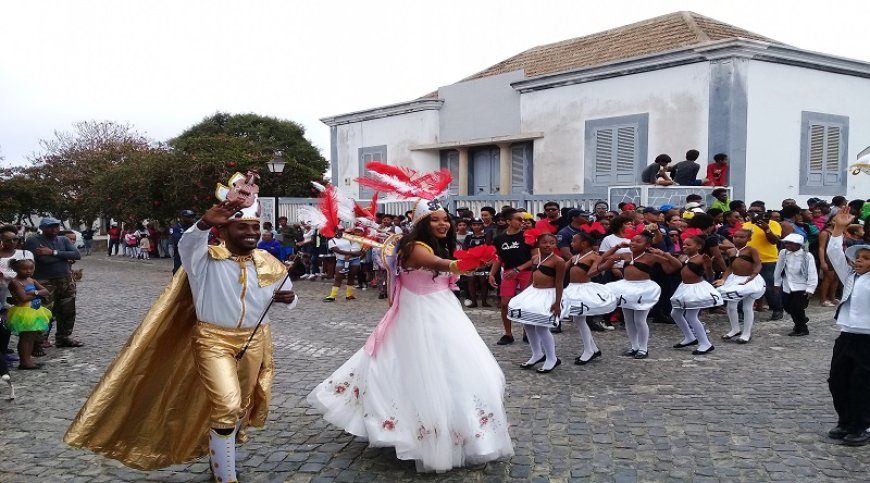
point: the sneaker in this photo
(467, 302)
(857, 439)
(304, 277)
(329, 299)
(828, 303)
(505, 340)
(595, 325)
(363, 287)
(607, 325)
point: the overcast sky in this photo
(164, 65)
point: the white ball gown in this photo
(432, 389)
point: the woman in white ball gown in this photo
(425, 383)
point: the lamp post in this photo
(275, 166)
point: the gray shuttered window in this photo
(450, 160)
(521, 168)
(823, 154)
(615, 151)
(367, 155)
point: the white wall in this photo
(397, 133)
(676, 100)
(776, 96)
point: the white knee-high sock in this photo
(642, 330)
(534, 343)
(748, 318)
(733, 318)
(549, 344)
(630, 329)
(680, 318)
(695, 323)
(589, 346)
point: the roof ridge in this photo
(689, 17)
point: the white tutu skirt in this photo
(585, 299)
(635, 294)
(432, 390)
(733, 290)
(696, 296)
(532, 307)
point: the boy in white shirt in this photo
(347, 261)
(795, 274)
(849, 379)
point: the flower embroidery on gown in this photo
(416, 393)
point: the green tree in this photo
(73, 161)
(225, 143)
(24, 193)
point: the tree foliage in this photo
(107, 169)
(241, 142)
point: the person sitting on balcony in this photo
(717, 172)
(685, 173)
(657, 172)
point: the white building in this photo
(584, 114)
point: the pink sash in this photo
(418, 281)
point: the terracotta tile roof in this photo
(659, 34)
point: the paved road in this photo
(743, 413)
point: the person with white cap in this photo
(849, 380)
(52, 256)
(795, 274)
(198, 370)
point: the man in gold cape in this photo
(176, 391)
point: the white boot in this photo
(8, 380)
(222, 453)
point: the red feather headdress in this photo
(400, 183)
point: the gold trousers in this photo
(229, 383)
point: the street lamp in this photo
(276, 164)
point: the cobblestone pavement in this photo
(750, 412)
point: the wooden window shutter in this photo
(832, 156)
(519, 158)
(626, 153)
(816, 168)
(604, 151)
(367, 155)
(450, 161)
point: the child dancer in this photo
(539, 306)
(636, 294)
(741, 281)
(145, 248)
(849, 379)
(27, 318)
(694, 294)
(582, 297)
(795, 274)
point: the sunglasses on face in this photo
(551, 209)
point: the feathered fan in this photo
(474, 257)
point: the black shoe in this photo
(854, 439)
(505, 340)
(697, 352)
(798, 333)
(382, 296)
(680, 345)
(581, 362)
(629, 353)
(525, 338)
(595, 325)
(526, 365)
(729, 337)
(641, 355)
(838, 433)
(776, 315)
(329, 299)
(541, 370)
(556, 330)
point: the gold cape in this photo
(150, 409)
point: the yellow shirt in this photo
(768, 252)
